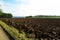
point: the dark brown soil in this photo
(36, 27)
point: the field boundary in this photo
(13, 32)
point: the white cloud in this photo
(33, 7)
(42, 7)
(1, 2)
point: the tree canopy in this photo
(5, 15)
(0, 11)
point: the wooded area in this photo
(5, 15)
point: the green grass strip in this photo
(13, 32)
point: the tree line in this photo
(5, 15)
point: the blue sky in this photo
(31, 7)
(8, 1)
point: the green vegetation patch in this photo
(13, 32)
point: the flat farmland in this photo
(36, 27)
